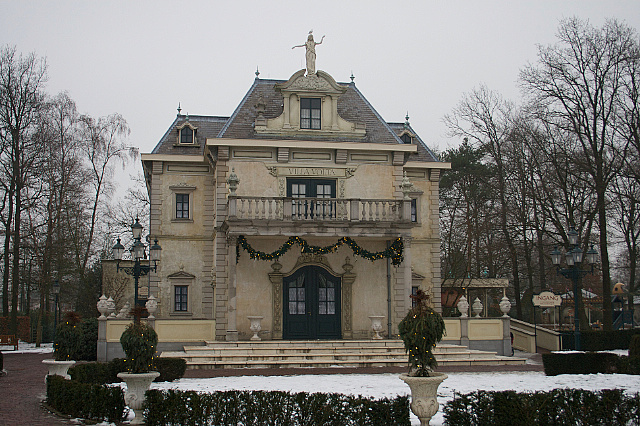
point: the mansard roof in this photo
(352, 106)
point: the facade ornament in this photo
(152, 306)
(233, 182)
(406, 186)
(477, 307)
(463, 307)
(311, 82)
(310, 45)
(103, 307)
(505, 304)
(112, 307)
(273, 170)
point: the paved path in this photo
(22, 391)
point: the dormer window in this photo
(186, 136)
(310, 113)
(406, 138)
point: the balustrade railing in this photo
(319, 209)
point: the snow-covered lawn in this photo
(389, 385)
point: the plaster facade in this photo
(240, 175)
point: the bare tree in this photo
(579, 81)
(21, 101)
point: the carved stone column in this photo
(347, 299)
(276, 281)
(232, 329)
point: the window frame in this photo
(183, 296)
(314, 105)
(182, 190)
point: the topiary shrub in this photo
(67, 338)
(139, 342)
(420, 330)
(87, 349)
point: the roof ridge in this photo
(155, 149)
(383, 121)
(238, 108)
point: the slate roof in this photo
(352, 106)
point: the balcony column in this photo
(232, 329)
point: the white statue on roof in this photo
(311, 53)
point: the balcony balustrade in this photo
(319, 209)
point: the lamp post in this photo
(138, 250)
(56, 291)
(574, 259)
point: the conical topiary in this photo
(421, 330)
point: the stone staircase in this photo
(325, 353)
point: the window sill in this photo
(176, 220)
(181, 314)
(192, 145)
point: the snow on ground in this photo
(389, 385)
(24, 348)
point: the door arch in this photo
(311, 304)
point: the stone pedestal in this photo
(424, 391)
(255, 326)
(137, 385)
(58, 368)
(376, 325)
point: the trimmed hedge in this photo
(86, 401)
(170, 368)
(589, 363)
(580, 363)
(601, 340)
(276, 408)
(107, 372)
(634, 346)
(556, 407)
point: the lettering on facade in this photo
(329, 172)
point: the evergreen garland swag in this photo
(393, 252)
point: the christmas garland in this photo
(393, 252)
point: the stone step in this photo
(347, 353)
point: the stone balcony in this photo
(325, 216)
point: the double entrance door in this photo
(311, 305)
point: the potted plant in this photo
(65, 346)
(139, 342)
(420, 331)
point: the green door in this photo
(311, 305)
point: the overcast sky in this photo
(140, 58)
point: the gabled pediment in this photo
(318, 83)
(181, 275)
(309, 108)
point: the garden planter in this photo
(423, 395)
(137, 385)
(58, 368)
(376, 325)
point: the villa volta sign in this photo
(546, 299)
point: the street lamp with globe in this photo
(138, 252)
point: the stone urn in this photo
(477, 307)
(376, 325)
(424, 391)
(463, 307)
(505, 306)
(137, 385)
(58, 368)
(255, 326)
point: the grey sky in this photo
(140, 58)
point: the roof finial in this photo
(406, 123)
(187, 116)
(352, 77)
(257, 72)
(179, 109)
